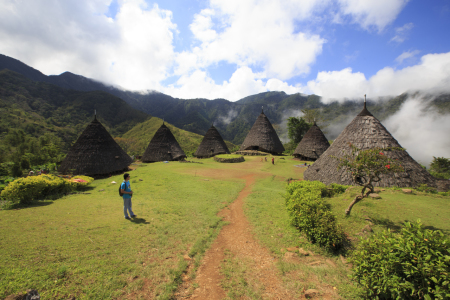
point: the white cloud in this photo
(431, 74)
(420, 129)
(253, 33)
(407, 55)
(402, 33)
(242, 83)
(134, 50)
(372, 13)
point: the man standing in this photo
(127, 193)
(273, 161)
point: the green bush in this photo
(312, 215)
(414, 264)
(25, 190)
(426, 189)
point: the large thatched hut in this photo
(95, 153)
(312, 145)
(212, 144)
(163, 147)
(263, 137)
(367, 132)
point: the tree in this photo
(314, 115)
(440, 167)
(297, 127)
(366, 167)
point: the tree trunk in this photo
(359, 198)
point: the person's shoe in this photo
(134, 216)
(128, 218)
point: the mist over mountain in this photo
(234, 119)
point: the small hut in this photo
(163, 147)
(367, 132)
(263, 137)
(212, 144)
(95, 154)
(312, 145)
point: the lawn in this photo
(81, 246)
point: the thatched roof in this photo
(366, 132)
(95, 153)
(312, 145)
(212, 144)
(262, 137)
(163, 147)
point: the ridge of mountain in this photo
(232, 119)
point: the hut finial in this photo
(95, 114)
(314, 121)
(262, 109)
(364, 100)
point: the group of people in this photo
(265, 159)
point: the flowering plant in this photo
(366, 166)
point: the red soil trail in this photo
(238, 238)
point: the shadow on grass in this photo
(6, 205)
(139, 221)
(388, 224)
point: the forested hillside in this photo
(37, 116)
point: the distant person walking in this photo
(265, 158)
(273, 160)
(127, 193)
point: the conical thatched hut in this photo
(95, 153)
(263, 137)
(212, 144)
(366, 132)
(312, 145)
(163, 147)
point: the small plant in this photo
(426, 189)
(312, 215)
(414, 264)
(366, 167)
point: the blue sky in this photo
(232, 48)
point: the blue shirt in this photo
(126, 186)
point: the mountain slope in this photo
(142, 133)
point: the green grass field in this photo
(81, 245)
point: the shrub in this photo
(414, 264)
(16, 171)
(25, 190)
(426, 189)
(312, 215)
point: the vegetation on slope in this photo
(139, 137)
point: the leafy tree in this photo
(15, 170)
(440, 167)
(366, 167)
(297, 127)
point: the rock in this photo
(113, 182)
(407, 191)
(374, 196)
(141, 179)
(186, 257)
(343, 260)
(32, 295)
(292, 249)
(377, 190)
(367, 228)
(101, 190)
(303, 252)
(311, 293)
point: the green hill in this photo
(141, 134)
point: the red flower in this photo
(381, 153)
(388, 166)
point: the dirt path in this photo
(238, 238)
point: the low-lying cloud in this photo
(421, 129)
